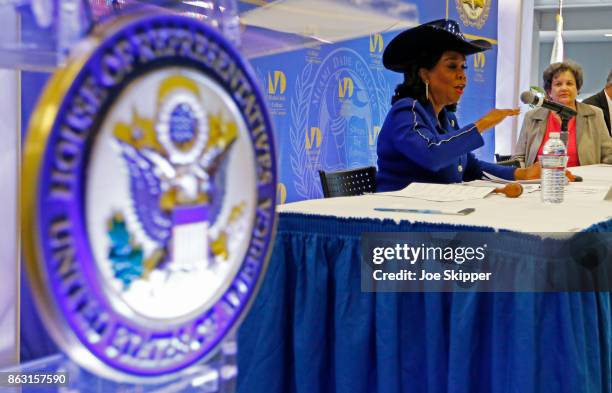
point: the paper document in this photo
(527, 188)
(583, 192)
(493, 178)
(441, 192)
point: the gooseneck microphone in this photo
(563, 111)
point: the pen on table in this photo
(463, 212)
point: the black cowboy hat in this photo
(441, 33)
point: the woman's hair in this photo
(555, 69)
(413, 86)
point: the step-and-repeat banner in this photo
(328, 102)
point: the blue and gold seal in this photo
(473, 12)
(149, 196)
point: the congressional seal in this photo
(149, 196)
(473, 12)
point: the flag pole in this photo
(557, 51)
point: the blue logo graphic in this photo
(339, 105)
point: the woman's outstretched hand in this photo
(494, 117)
(535, 172)
(529, 173)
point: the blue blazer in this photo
(412, 147)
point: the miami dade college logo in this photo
(149, 195)
(276, 87)
(373, 136)
(376, 43)
(480, 60)
(473, 12)
(346, 87)
(312, 142)
(277, 82)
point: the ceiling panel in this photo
(553, 4)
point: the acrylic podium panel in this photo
(48, 29)
(40, 42)
(9, 159)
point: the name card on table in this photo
(608, 196)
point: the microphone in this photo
(563, 111)
(511, 190)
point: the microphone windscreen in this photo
(528, 97)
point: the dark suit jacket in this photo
(599, 100)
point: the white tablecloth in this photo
(527, 213)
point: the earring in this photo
(427, 90)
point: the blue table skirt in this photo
(312, 330)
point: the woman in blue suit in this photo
(420, 140)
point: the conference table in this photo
(313, 329)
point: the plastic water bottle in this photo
(553, 161)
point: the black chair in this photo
(506, 160)
(502, 157)
(356, 181)
(515, 163)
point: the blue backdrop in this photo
(328, 102)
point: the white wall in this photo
(9, 164)
(584, 41)
(514, 57)
(594, 57)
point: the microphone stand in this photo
(564, 131)
(565, 114)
